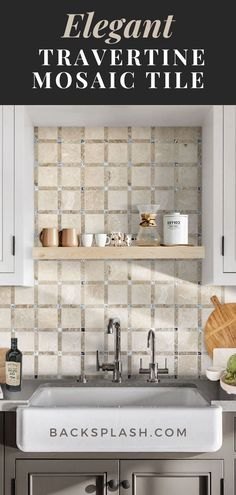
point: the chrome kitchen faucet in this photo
(153, 371)
(113, 327)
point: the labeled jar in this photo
(175, 227)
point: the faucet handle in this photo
(165, 363)
(98, 365)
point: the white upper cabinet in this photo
(219, 196)
(16, 196)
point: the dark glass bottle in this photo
(13, 367)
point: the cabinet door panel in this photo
(229, 180)
(7, 144)
(172, 477)
(64, 477)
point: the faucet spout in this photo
(152, 338)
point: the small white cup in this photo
(87, 240)
(102, 240)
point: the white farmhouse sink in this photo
(119, 419)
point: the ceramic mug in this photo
(102, 240)
(49, 237)
(68, 238)
(117, 239)
(87, 240)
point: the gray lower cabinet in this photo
(125, 477)
(171, 477)
(64, 477)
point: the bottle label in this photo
(13, 373)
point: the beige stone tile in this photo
(117, 176)
(117, 153)
(70, 365)
(5, 318)
(164, 317)
(70, 317)
(193, 223)
(5, 295)
(47, 342)
(187, 270)
(47, 200)
(28, 366)
(164, 341)
(70, 176)
(207, 292)
(47, 365)
(206, 362)
(141, 132)
(140, 317)
(164, 176)
(71, 220)
(71, 342)
(188, 341)
(139, 341)
(47, 294)
(187, 318)
(47, 270)
(94, 153)
(140, 197)
(117, 200)
(186, 293)
(47, 220)
(47, 133)
(71, 133)
(187, 133)
(94, 200)
(94, 133)
(47, 176)
(94, 176)
(70, 271)
(141, 294)
(70, 200)
(164, 294)
(94, 339)
(118, 133)
(117, 294)
(165, 133)
(187, 177)
(25, 341)
(140, 270)
(141, 153)
(117, 270)
(94, 318)
(70, 294)
(141, 176)
(165, 152)
(205, 313)
(187, 365)
(24, 295)
(5, 338)
(187, 153)
(24, 318)
(165, 199)
(94, 294)
(186, 200)
(47, 318)
(94, 223)
(135, 221)
(94, 271)
(71, 153)
(164, 270)
(47, 153)
(117, 222)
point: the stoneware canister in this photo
(175, 228)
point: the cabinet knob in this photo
(113, 485)
(125, 484)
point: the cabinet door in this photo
(229, 186)
(7, 145)
(64, 477)
(172, 477)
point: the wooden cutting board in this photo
(3, 351)
(220, 329)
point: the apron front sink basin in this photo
(119, 419)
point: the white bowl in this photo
(230, 389)
(214, 373)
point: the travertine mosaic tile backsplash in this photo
(92, 179)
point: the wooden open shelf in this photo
(117, 253)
